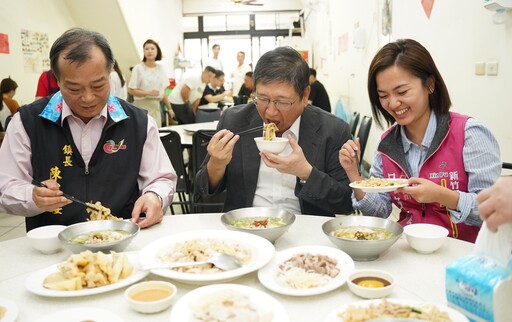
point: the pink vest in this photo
(444, 166)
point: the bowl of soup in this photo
(371, 283)
(150, 296)
(267, 222)
(99, 235)
(364, 238)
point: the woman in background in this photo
(148, 83)
(118, 83)
(9, 105)
(448, 158)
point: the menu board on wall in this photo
(35, 48)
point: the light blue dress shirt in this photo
(482, 163)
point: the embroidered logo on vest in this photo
(111, 147)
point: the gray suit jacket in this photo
(322, 134)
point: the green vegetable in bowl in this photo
(98, 237)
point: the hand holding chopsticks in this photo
(65, 195)
(254, 129)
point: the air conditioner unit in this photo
(495, 5)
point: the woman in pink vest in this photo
(448, 158)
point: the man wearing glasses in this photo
(306, 177)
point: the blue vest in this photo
(111, 175)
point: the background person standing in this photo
(318, 96)
(238, 75)
(214, 61)
(149, 81)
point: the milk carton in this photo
(480, 285)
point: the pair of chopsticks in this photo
(65, 195)
(358, 163)
(254, 129)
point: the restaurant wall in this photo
(159, 20)
(28, 15)
(126, 38)
(457, 36)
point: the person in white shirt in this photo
(239, 73)
(148, 83)
(214, 61)
(117, 82)
(185, 97)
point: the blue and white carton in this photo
(480, 285)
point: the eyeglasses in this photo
(282, 105)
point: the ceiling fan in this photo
(247, 2)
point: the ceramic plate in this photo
(82, 314)
(11, 310)
(183, 310)
(34, 282)
(261, 253)
(268, 274)
(455, 316)
(399, 183)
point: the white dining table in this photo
(187, 130)
(418, 277)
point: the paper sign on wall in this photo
(4, 43)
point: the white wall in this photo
(456, 35)
(159, 20)
(28, 14)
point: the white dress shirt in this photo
(276, 189)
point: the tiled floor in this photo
(11, 226)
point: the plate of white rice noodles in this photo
(228, 303)
(251, 251)
(394, 308)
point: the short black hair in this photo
(76, 44)
(285, 65)
(312, 71)
(7, 85)
(210, 69)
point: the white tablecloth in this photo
(418, 277)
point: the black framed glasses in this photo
(280, 104)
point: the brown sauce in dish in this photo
(371, 282)
(151, 294)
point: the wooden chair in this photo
(172, 144)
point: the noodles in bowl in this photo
(362, 233)
(364, 238)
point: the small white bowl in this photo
(425, 238)
(275, 146)
(373, 278)
(150, 296)
(45, 239)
